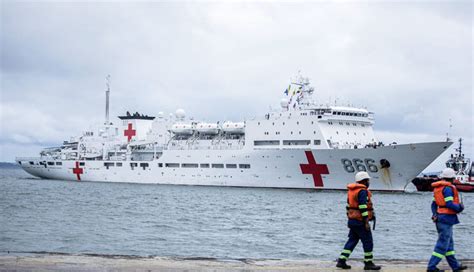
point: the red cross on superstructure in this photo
(78, 171)
(129, 132)
(314, 169)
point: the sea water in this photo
(38, 215)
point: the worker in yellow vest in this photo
(445, 207)
(359, 212)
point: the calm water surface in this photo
(185, 221)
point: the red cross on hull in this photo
(314, 169)
(129, 132)
(78, 171)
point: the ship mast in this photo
(107, 95)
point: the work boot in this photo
(341, 263)
(435, 270)
(460, 268)
(371, 266)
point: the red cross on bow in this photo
(129, 132)
(314, 169)
(78, 171)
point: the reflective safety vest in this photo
(353, 207)
(441, 200)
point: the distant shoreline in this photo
(9, 165)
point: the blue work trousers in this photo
(357, 233)
(444, 247)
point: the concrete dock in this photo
(91, 262)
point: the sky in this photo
(410, 62)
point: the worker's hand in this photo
(367, 225)
(434, 218)
(461, 207)
(373, 217)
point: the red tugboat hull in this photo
(423, 184)
(464, 187)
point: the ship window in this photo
(50, 163)
(160, 164)
(133, 165)
(189, 165)
(82, 163)
(172, 165)
(273, 123)
(119, 164)
(347, 123)
(31, 163)
(204, 165)
(231, 166)
(296, 142)
(341, 123)
(299, 132)
(319, 116)
(108, 164)
(246, 166)
(258, 123)
(144, 165)
(362, 125)
(317, 142)
(337, 132)
(270, 142)
(59, 163)
(297, 123)
(283, 123)
(334, 113)
(217, 165)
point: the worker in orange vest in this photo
(359, 213)
(445, 207)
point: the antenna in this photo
(449, 130)
(107, 95)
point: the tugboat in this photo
(463, 167)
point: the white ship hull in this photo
(275, 168)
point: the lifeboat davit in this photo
(236, 128)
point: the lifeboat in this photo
(236, 128)
(207, 128)
(182, 129)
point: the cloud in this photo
(410, 63)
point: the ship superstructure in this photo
(301, 145)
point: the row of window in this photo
(205, 165)
(350, 114)
(45, 163)
(348, 124)
(355, 133)
(286, 142)
(182, 165)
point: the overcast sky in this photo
(409, 62)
